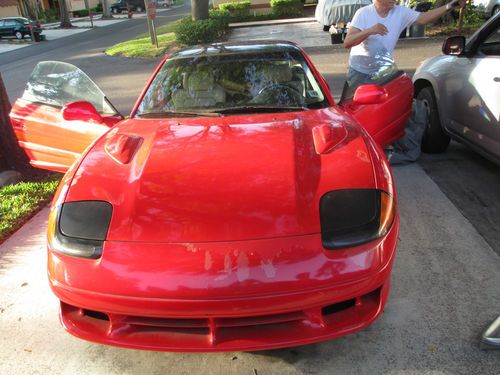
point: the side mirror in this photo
(81, 111)
(454, 45)
(369, 94)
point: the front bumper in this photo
(252, 298)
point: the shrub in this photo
(472, 15)
(98, 8)
(287, 8)
(237, 9)
(191, 32)
(81, 13)
(49, 15)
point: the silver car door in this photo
(473, 95)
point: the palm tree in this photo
(199, 10)
(63, 10)
(106, 13)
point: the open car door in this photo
(382, 108)
(61, 112)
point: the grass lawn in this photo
(142, 47)
(20, 201)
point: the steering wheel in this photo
(279, 93)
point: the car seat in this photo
(199, 90)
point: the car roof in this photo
(253, 46)
(14, 18)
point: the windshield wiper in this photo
(170, 113)
(260, 108)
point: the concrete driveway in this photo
(445, 291)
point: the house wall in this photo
(80, 4)
(10, 11)
(256, 6)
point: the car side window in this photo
(10, 23)
(491, 45)
(56, 84)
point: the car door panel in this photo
(386, 121)
(472, 92)
(49, 141)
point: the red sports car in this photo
(236, 208)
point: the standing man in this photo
(374, 32)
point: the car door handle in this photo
(496, 79)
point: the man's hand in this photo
(355, 36)
(435, 13)
(378, 29)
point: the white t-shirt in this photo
(376, 50)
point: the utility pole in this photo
(90, 13)
(151, 13)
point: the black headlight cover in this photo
(80, 228)
(354, 216)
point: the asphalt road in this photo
(445, 284)
(121, 79)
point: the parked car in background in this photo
(126, 5)
(461, 90)
(164, 3)
(487, 7)
(236, 208)
(334, 12)
(19, 27)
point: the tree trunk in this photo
(199, 10)
(65, 21)
(106, 13)
(11, 155)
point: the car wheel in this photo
(495, 10)
(114, 10)
(19, 35)
(138, 9)
(434, 140)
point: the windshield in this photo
(233, 83)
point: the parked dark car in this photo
(461, 90)
(125, 5)
(18, 27)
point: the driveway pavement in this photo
(445, 291)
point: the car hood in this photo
(221, 179)
(434, 66)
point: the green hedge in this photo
(85, 12)
(81, 13)
(236, 9)
(287, 8)
(191, 32)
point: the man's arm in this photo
(436, 13)
(355, 36)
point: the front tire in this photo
(138, 9)
(19, 35)
(435, 140)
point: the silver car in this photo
(487, 7)
(461, 90)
